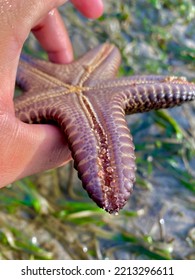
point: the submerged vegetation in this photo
(49, 215)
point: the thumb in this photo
(27, 149)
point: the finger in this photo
(28, 149)
(48, 149)
(16, 21)
(90, 9)
(53, 36)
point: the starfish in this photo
(89, 104)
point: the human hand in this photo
(26, 149)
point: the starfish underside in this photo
(89, 105)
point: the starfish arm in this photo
(31, 78)
(103, 154)
(115, 156)
(102, 150)
(144, 93)
(118, 83)
(170, 92)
